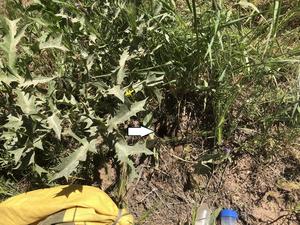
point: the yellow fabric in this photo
(74, 204)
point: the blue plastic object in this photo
(229, 213)
(228, 217)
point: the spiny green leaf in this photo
(9, 79)
(26, 102)
(9, 136)
(124, 114)
(38, 144)
(22, 81)
(87, 121)
(10, 41)
(35, 81)
(32, 157)
(54, 123)
(124, 151)
(92, 130)
(17, 154)
(117, 91)
(65, 100)
(121, 72)
(53, 43)
(13, 122)
(70, 163)
(39, 169)
(90, 145)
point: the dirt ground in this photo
(260, 192)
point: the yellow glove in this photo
(74, 204)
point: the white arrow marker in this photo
(139, 131)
